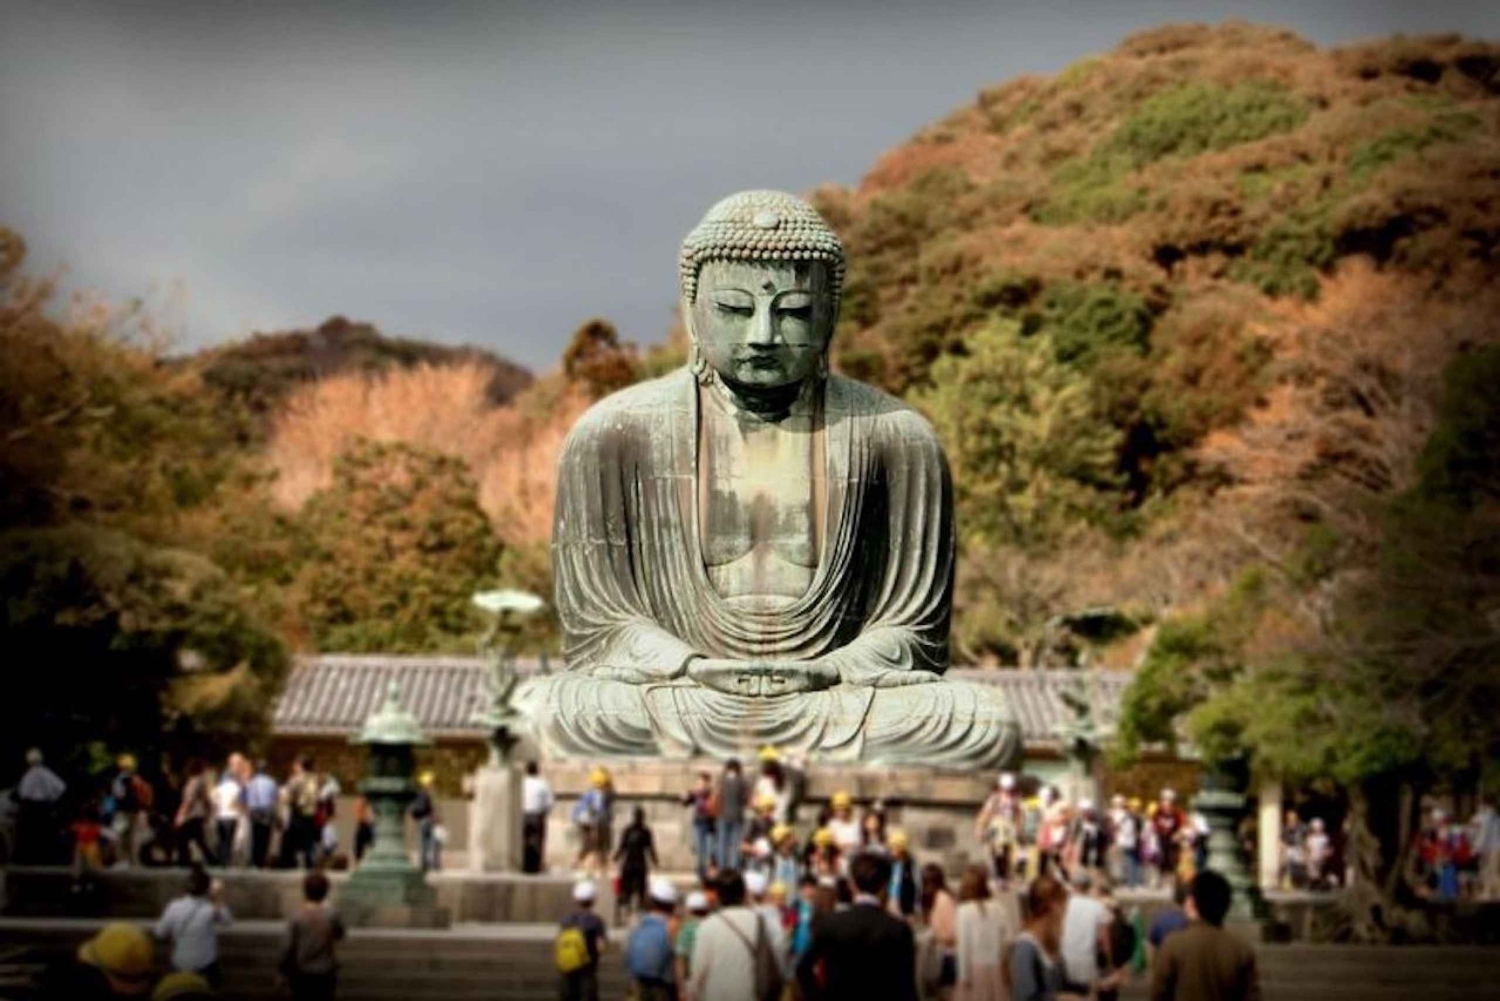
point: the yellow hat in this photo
(181, 984)
(823, 837)
(765, 801)
(427, 778)
(842, 800)
(780, 833)
(898, 840)
(124, 954)
(769, 753)
(126, 761)
(598, 778)
(777, 891)
(1135, 803)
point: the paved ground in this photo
(514, 962)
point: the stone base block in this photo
(935, 807)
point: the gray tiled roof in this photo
(331, 694)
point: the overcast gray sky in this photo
(491, 173)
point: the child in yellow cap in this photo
(117, 962)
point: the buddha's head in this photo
(761, 276)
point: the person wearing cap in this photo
(588, 817)
(648, 952)
(1086, 839)
(999, 825)
(786, 867)
(758, 829)
(1124, 842)
(182, 986)
(772, 784)
(636, 857)
(687, 935)
(116, 963)
(733, 794)
(133, 797)
(825, 859)
(582, 984)
(842, 825)
(758, 890)
(1319, 850)
(903, 888)
(37, 796)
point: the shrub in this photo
(1084, 320)
(1199, 117)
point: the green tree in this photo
(118, 642)
(1031, 457)
(1390, 682)
(399, 545)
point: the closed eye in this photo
(800, 312)
(733, 310)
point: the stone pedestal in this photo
(495, 820)
(935, 807)
(1222, 803)
(1268, 835)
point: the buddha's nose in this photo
(762, 329)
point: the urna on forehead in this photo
(761, 226)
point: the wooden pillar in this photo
(1268, 835)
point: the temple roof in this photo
(331, 695)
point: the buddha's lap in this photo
(938, 723)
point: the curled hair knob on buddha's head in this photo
(762, 226)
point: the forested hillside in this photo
(1184, 314)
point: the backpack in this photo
(143, 796)
(649, 951)
(570, 950)
(1122, 939)
(768, 981)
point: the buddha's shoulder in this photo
(632, 409)
(889, 414)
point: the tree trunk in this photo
(1380, 897)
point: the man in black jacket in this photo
(863, 952)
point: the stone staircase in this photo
(515, 962)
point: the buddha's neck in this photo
(771, 405)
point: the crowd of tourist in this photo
(240, 816)
(736, 937)
(843, 908)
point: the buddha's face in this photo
(765, 324)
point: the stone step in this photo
(468, 964)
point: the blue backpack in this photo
(648, 954)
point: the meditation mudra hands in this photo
(765, 679)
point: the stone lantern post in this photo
(495, 821)
(1221, 800)
(387, 889)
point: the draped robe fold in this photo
(636, 603)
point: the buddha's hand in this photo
(764, 678)
(876, 676)
(637, 674)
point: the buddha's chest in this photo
(761, 496)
